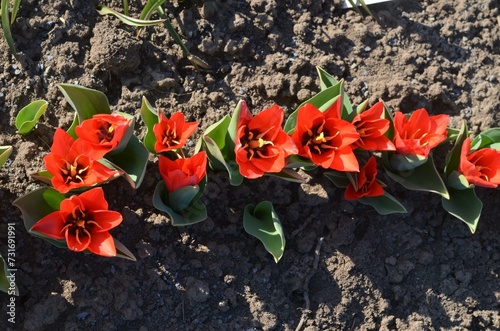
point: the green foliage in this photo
(183, 205)
(48, 200)
(7, 20)
(487, 139)
(28, 116)
(424, 177)
(262, 222)
(5, 152)
(385, 204)
(464, 205)
(103, 10)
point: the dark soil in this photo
(345, 267)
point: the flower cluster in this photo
(348, 145)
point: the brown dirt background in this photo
(419, 271)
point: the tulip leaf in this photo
(233, 125)
(486, 139)
(218, 132)
(123, 252)
(218, 162)
(322, 101)
(46, 200)
(457, 181)
(196, 211)
(29, 115)
(295, 161)
(338, 178)
(422, 178)
(288, 174)
(4, 15)
(5, 152)
(150, 118)
(43, 176)
(464, 205)
(384, 204)
(103, 10)
(453, 157)
(85, 101)
(132, 160)
(5, 282)
(406, 162)
(326, 81)
(149, 9)
(262, 222)
(181, 199)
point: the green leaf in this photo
(326, 80)
(338, 178)
(149, 9)
(288, 175)
(453, 157)
(406, 162)
(150, 117)
(5, 152)
(181, 199)
(218, 162)
(233, 129)
(47, 200)
(295, 161)
(323, 100)
(457, 181)
(27, 117)
(103, 10)
(6, 278)
(132, 160)
(464, 205)
(422, 178)
(123, 252)
(6, 24)
(262, 222)
(196, 211)
(486, 139)
(86, 102)
(385, 204)
(218, 132)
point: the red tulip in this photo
(371, 128)
(419, 134)
(482, 167)
(83, 221)
(261, 144)
(326, 139)
(367, 183)
(103, 131)
(172, 133)
(74, 164)
(184, 171)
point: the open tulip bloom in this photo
(261, 145)
(366, 182)
(481, 167)
(326, 139)
(372, 128)
(104, 132)
(420, 133)
(73, 163)
(83, 221)
(172, 134)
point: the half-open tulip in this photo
(326, 139)
(103, 131)
(371, 128)
(172, 133)
(261, 144)
(183, 171)
(74, 164)
(420, 133)
(482, 167)
(83, 221)
(367, 182)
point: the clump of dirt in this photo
(345, 267)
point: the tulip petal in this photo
(102, 244)
(51, 225)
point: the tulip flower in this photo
(482, 167)
(326, 139)
(261, 144)
(172, 133)
(420, 133)
(103, 131)
(184, 171)
(366, 182)
(371, 128)
(83, 221)
(74, 164)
